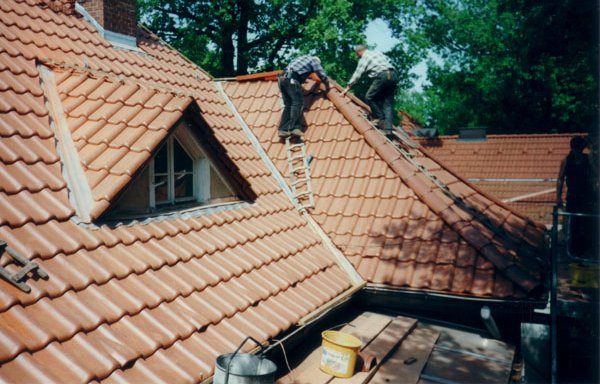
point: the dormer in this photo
(129, 150)
(182, 174)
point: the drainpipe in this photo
(490, 324)
(554, 296)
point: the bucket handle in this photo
(262, 352)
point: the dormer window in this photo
(180, 175)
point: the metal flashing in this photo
(118, 40)
(80, 193)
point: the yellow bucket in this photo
(584, 276)
(339, 351)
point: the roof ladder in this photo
(398, 132)
(298, 166)
(18, 278)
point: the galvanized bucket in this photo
(244, 368)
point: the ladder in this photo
(18, 278)
(398, 132)
(298, 166)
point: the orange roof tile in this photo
(395, 225)
(518, 169)
(152, 300)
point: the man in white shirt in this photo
(380, 95)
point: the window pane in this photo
(184, 185)
(160, 160)
(182, 161)
(161, 188)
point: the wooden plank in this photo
(365, 327)
(418, 346)
(382, 347)
(465, 368)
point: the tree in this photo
(231, 37)
(512, 66)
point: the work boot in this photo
(297, 132)
(284, 133)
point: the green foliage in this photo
(512, 66)
(231, 37)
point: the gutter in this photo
(314, 320)
(389, 296)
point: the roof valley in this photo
(339, 257)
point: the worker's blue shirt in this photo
(304, 65)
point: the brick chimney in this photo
(115, 17)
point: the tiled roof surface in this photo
(392, 222)
(534, 199)
(502, 156)
(508, 167)
(153, 301)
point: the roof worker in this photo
(380, 95)
(290, 83)
(576, 169)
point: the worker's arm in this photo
(358, 72)
(560, 182)
(320, 72)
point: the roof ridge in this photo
(391, 156)
(514, 135)
(111, 76)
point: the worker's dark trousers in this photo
(293, 102)
(380, 97)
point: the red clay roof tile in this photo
(167, 277)
(336, 145)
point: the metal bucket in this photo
(244, 368)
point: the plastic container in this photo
(584, 276)
(339, 351)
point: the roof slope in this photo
(397, 227)
(152, 301)
(518, 169)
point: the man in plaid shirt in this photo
(290, 84)
(380, 95)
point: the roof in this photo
(518, 169)
(394, 223)
(146, 301)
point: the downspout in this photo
(490, 324)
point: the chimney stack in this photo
(116, 17)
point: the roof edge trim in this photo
(80, 192)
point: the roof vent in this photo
(425, 132)
(114, 19)
(472, 134)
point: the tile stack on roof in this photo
(518, 169)
(396, 226)
(153, 301)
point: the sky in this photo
(379, 37)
